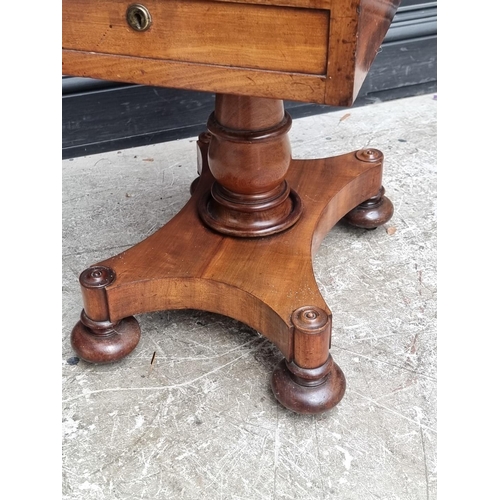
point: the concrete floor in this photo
(184, 429)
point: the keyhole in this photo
(138, 17)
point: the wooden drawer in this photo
(302, 50)
(238, 35)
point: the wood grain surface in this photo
(206, 32)
(311, 51)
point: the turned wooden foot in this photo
(308, 391)
(96, 338)
(310, 382)
(374, 211)
(104, 342)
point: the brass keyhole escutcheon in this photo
(138, 17)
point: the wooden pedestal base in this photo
(266, 282)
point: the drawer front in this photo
(240, 35)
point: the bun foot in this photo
(372, 213)
(103, 341)
(308, 391)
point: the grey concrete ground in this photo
(202, 422)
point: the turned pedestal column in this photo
(249, 155)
